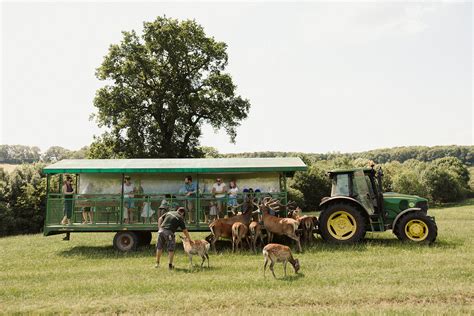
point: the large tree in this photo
(162, 86)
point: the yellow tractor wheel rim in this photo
(416, 230)
(341, 225)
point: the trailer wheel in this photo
(341, 223)
(416, 227)
(126, 241)
(144, 238)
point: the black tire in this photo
(144, 238)
(416, 227)
(126, 241)
(350, 228)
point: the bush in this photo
(23, 207)
(313, 185)
(443, 186)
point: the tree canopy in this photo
(162, 86)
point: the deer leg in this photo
(284, 266)
(203, 259)
(297, 239)
(213, 241)
(272, 264)
(207, 257)
(233, 244)
(191, 261)
(269, 237)
(265, 266)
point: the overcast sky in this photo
(319, 76)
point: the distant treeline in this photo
(16, 154)
(422, 153)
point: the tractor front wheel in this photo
(341, 223)
(416, 227)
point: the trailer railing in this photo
(144, 209)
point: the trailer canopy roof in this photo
(177, 165)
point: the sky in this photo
(320, 76)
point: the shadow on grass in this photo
(197, 269)
(287, 278)
(224, 247)
(109, 252)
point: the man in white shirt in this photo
(219, 191)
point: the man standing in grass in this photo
(168, 224)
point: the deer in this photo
(279, 253)
(307, 223)
(222, 227)
(255, 233)
(239, 233)
(196, 247)
(277, 225)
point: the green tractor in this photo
(358, 204)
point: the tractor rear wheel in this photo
(416, 227)
(342, 223)
(126, 241)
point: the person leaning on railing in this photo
(189, 190)
(219, 191)
(232, 192)
(68, 192)
(128, 190)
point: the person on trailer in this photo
(233, 192)
(219, 191)
(128, 190)
(189, 190)
(68, 192)
(88, 211)
(168, 224)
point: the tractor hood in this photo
(394, 195)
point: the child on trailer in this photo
(147, 211)
(213, 214)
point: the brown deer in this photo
(196, 247)
(279, 253)
(239, 233)
(222, 227)
(307, 223)
(277, 225)
(255, 233)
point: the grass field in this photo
(381, 275)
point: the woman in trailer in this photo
(68, 192)
(219, 190)
(232, 192)
(128, 190)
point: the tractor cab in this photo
(362, 185)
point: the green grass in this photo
(380, 275)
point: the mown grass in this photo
(380, 275)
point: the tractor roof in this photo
(352, 170)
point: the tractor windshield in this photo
(340, 185)
(361, 191)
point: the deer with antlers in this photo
(222, 227)
(277, 225)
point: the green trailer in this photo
(99, 190)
